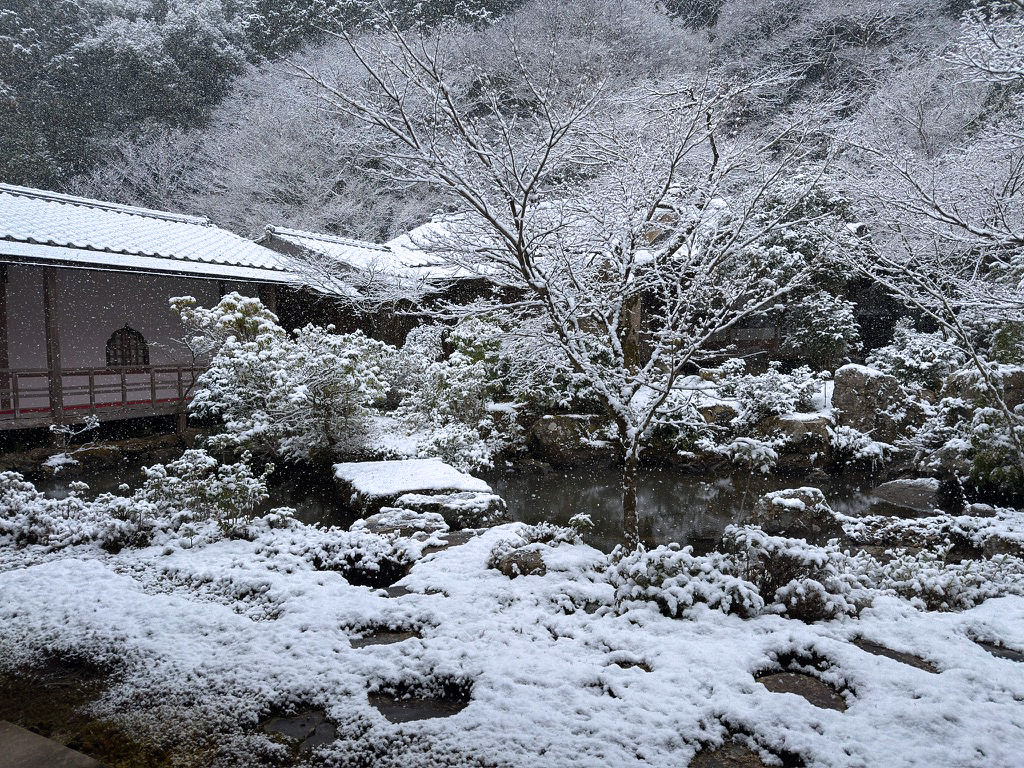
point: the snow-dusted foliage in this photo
(822, 328)
(753, 453)
(764, 397)
(198, 487)
(176, 498)
(755, 573)
(850, 446)
(28, 518)
(918, 358)
(676, 580)
(796, 579)
(302, 396)
(448, 378)
(931, 583)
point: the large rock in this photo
(520, 562)
(404, 522)
(872, 402)
(808, 443)
(570, 440)
(800, 513)
(372, 485)
(718, 414)
(460, 510)
(918, 495)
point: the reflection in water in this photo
(673, 506)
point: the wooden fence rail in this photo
(107, 393)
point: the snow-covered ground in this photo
(220, 634)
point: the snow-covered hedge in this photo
(676, 580)
(794, 578)
(446, 397)
(766, 396)
(917, 358)
(174, 498)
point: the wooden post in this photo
(268, 295)
(182, 424)
(5, 359)
(53, 361)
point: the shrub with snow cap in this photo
(676, 580)
(796, 579)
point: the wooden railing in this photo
(107, 393)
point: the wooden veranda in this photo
(40, 398)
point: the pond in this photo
(674, 506)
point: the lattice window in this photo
(127, 347)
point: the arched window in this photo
(127, 347)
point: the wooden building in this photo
(85, 322)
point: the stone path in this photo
(23, 749)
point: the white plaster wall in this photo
(93, 304)
(26, 335)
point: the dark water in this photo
(673, 506)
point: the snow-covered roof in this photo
(37, 226)
(405, 256)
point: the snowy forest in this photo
(743, 241)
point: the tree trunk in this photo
(630, 520)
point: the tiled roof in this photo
(402, 257)
(357, 254)
(36, 225)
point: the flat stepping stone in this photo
(385, 637)
(20, 748)
(904, 658)
(810, 688)
(1001, 651)
(404, 710)
(309, 728)
(728, 756)
(453, 539)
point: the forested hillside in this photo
(199, 107)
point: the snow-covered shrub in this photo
(302, 397)
(764, 397)
(446, 396)
(198, 487)
(850, 446)
(680, 425)
(27, 518)
(676, 580)
(821, 328)
(365, 559)
(914, 357)
(521, 554)
(541, 380)
(728, 375)
(996, 470)
(194, 488)
(752, 453)
(796, 579)
(930, 583)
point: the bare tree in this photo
(948, 212)
(618, 227)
